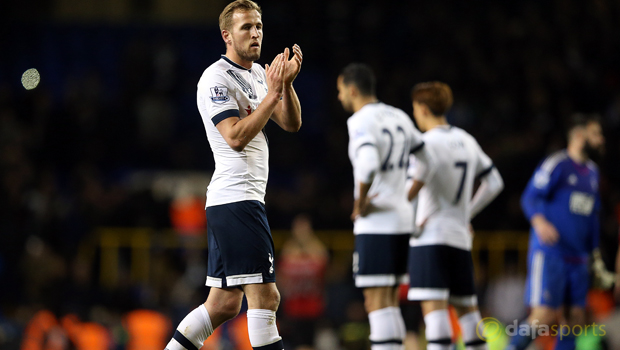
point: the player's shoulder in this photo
(464, 134)
(592, 166)
(216, 72)
(359, 121)
(364, 116)
(554, 161)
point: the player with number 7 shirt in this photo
(440, 262)
(381, 138)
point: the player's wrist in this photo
(273, 96)
(538, 219)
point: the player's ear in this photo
(227, 37)
(354, 91)
(427, 111)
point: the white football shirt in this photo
(444, 203)
(225, 90)
(392, 133)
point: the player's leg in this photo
(429, 284)
(263, 302)
(412, 314)
(463, 298)
(251, 267)
(222, 304)
(376, 298)
(380, 264)
(471, 327)
(387, 327)
(544, 293)
(437, 322)
(573, 315)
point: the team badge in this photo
(271, 261)
(219, 94)
(572, 179)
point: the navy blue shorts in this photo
(441, 272)
(380, 260)
(240, 245)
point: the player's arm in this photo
(603, 279)
(534, 199)
(366, 165)
(491, 184)
(424, 168)
(239, 132)
(366, 162)
(287, 113)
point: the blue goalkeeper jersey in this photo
(566, 193)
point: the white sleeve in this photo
(216, 98)
(491, 185)
(363, 150)
(484, 164)
(425, 164)
(366, 164)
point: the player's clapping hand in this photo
(293, 66)
(275, 75)
(545, 230)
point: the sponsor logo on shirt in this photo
(581, 203)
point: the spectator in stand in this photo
(302, 277)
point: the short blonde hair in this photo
(436, 95)
(237, 5)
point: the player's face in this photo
(595, 141)
(345, 95)
(247, 34)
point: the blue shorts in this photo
(553, 282)
(380, 260)
(240, 245)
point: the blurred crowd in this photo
(115, 100)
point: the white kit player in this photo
(440, 263)
(236, 98)
(381, 138)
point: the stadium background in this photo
(110, 144)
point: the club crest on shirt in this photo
(219, 94)
(572, 179)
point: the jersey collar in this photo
(234, 64)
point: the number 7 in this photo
(460, 191)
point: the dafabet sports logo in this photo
(490, 329)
